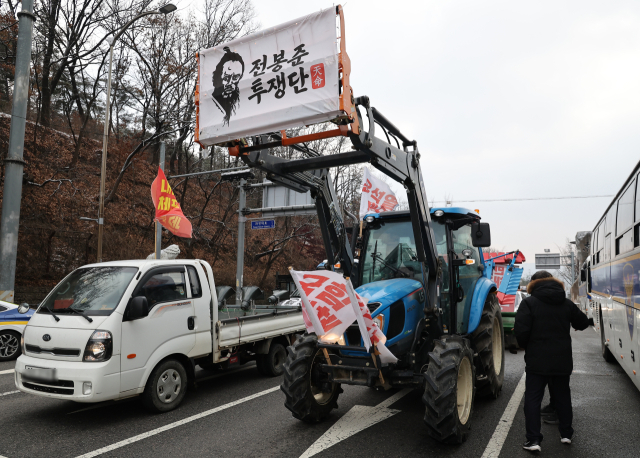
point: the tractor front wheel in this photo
(449, 390)
(309, 395)
(488, 342)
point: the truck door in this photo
(169, 327)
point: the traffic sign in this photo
(548, 261)
(265, 224)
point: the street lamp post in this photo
(166, 9)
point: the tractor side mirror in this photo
(480, 234)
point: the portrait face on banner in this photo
(226, 77)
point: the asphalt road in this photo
(233, 414)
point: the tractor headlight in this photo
(99, 347)
(438, 213)
(379, 320)
(370, 219)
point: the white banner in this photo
(279, 78)
(376, 195)
(331, 305)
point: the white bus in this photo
(613, 277)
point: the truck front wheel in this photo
(488, 342)
(166, 386)
(449, 390)
(309, 395)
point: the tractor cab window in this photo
(468, 274)
(390, 252)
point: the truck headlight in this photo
(99, 347)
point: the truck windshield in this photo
(391, 251)
(91, 291)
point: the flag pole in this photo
(158, 240)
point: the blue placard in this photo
(265, 224)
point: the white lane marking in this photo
(355, 420)
(10, 371)
(7, 393)
(153, 432)
(504, 425)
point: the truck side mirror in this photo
(583, 275)
(137, 308)
(480, 235)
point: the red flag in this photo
(168, 212)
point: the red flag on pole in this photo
(168, 212)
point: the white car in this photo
(12, 326)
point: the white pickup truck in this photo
(119, 329)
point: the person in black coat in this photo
(542, 328)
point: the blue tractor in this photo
(422, 271)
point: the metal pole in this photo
(105, 143)
(14, 163)
(573, 273)
(242, 197)
(158, 225)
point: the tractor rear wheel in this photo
(488, 343)
(309, 395)
(449, 390)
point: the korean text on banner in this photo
(282, 77)
(330, 305)
(168, 211)
(376, 195)
(327, 307)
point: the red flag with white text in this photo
(168, 211)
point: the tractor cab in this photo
(391, 276)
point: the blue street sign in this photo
(265, 224)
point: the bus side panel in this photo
(624, 279)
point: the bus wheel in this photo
(488, 342)
(308, 396)
(449, 390)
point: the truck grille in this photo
(53, 351)
(52, 387)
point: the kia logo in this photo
(46, 337)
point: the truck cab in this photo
(103, 329)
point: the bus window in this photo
(638, 200)
(607, 248)
(625, 211)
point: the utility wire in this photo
(520, 199)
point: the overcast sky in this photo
(506, 100)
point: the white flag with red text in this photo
(331, 305)
(376, 195)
